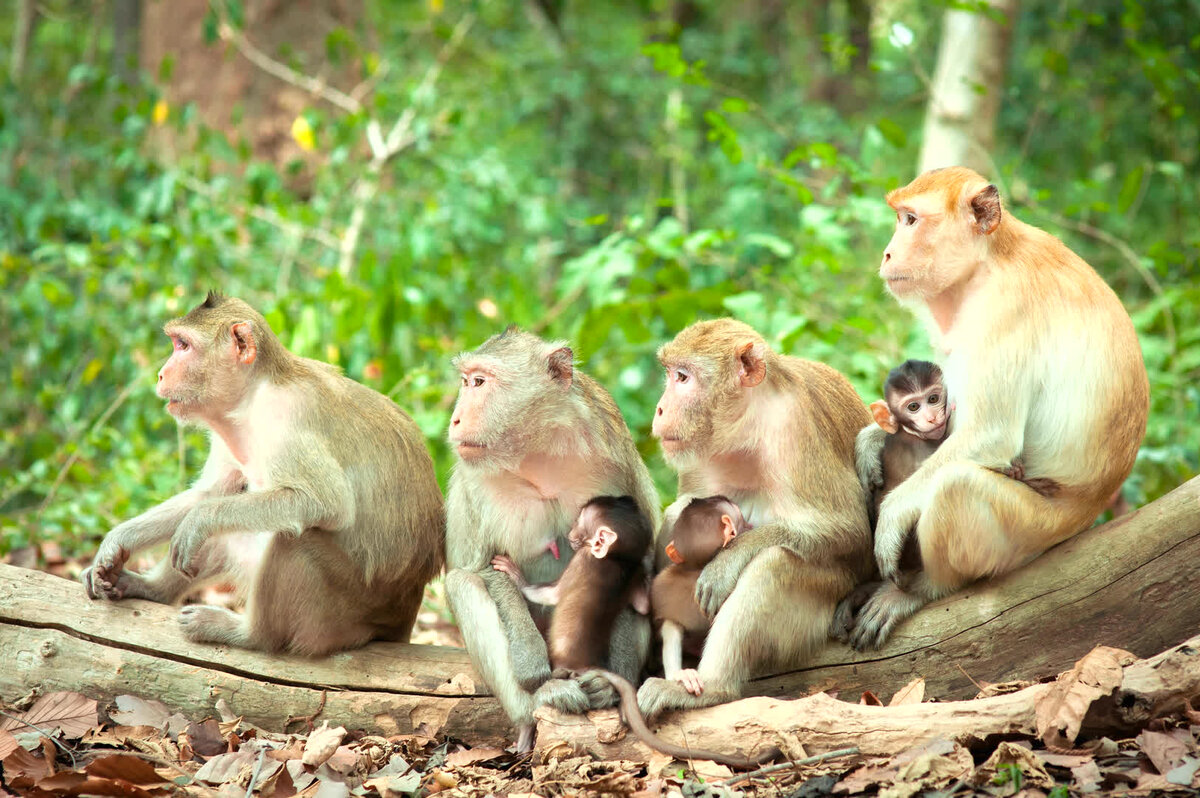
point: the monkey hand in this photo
(717, 581)
(505, 564)
(874, 622)
(103, 578)
(691, 681)
(898, 516)
(189, 538)
(565, 695)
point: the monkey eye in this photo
(477, 381)
(681, 376)
(914, 407)
(180, 345)
(934, 399)
(909, 218)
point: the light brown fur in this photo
(318, 498)
(536, 438)
(775, 434)
(1044, 366)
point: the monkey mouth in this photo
(671, 443)
(937, 433)
(470, 450)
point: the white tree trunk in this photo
(960, 122)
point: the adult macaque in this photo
(535, 439)
(774, 434)
(611, 539)
(318, 497)
(1044, 366)
(703, 528)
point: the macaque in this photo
(775, 434)
(535, 438)
(318, 498)
(915, 416)
(1046, 372)
(702, 529)
(611, 539)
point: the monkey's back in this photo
(592, 594)
(673, 598)
(398, 530)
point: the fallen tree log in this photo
(53, 638)
(819, 723)
(1127, 584)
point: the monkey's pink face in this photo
(908, 259)
(469, 420)
(675, 422)
(180, 380)
(924, 414)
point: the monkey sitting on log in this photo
(611, 539)
(318, 498)
(703, 528)
(1044, 365)
(535, 438)
(775, 434)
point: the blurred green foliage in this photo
(608, 182)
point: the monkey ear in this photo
(752, 364)
(602, 541)
(562, 365)
(985, 205)
(883, 417)
(244, 348)
(728, 530)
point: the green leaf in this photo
(894, 134)
(1131, 188)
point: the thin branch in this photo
(100, 422)
(811, 760)
(285, 73)
(399, 138)
(318, 234)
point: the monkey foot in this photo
(565, 695)
(659, 695)
(202, 623)
(888, 606)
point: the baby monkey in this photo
(611, 537)
(703, 528)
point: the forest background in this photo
(393, 182)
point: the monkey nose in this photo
(454, 422)
(658, 410)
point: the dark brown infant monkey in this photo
(704, 527)
(611, 539)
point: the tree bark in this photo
(964, 101)
(59, 640)
(22, 36)
(127, 34)
(819, 723)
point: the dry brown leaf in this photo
(870, 699)
(8, 744)
(328, 788)
(1065, 704)
(345, 760)
(471, 756)
(322, 744)
(224, 768)
(72, 713)
(1166, 750)
(134, 711)
(1086, 777)
(205, 738)
(911, 693)
(124, 767)
(1034, 775)
(27, 763)
(121, 735)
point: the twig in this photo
(978, 686)
(100, 422)
(320, 235)
(811, 760)
(262, 754)
(63, 746)
(285, 73)
(398, 139)
(308, 719)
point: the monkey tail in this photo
(636, 722)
